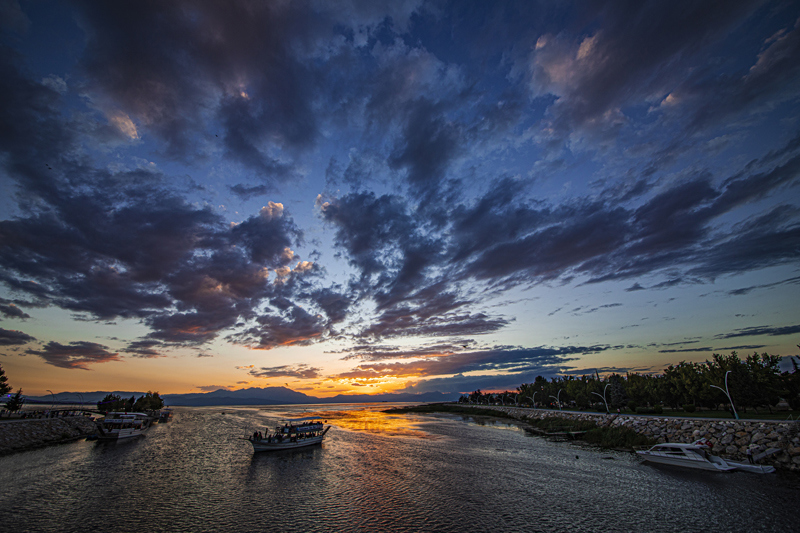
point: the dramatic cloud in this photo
(397, 179)
(10, 310)
(10, 337)
(301, 371)
(514, 360)
(77, 354)
(761, 330)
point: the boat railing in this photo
(678, 453)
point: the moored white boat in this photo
(117, 426)
(696, 455)
(295, 433)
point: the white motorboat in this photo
(117, 426)
(696, 455)
(294, 433)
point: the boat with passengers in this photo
(115, 426)
(294, 433)
(696, 455)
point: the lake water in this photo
(374, 472)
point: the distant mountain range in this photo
(251, 396)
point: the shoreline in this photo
(20, 435)
(730, 438)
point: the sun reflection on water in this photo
(370, 418)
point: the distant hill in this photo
(251, 396)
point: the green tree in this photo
(149, 402)
(15, 402)
(111, 402)
(616, 392)
(5, 388)
(790, 382)
(764, 378)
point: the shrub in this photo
(689, 408)
(658, 410)
(632, 405)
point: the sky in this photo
(358, 197)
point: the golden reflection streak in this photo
(372, 420)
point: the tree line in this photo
(13, 403)
(754, 382)
(113, 402)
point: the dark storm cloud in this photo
(111, 244)
(630, 52)
(145, 348)
(711, 99)
(504, 241)
(508, 359)
(299, 371)
(76, 354)
(169, 66)
(430, 143)
(11, 337)
(245, 193)
(742, 347)
(382, 352)
(263, 83)
(10, 310)
(290, 326)
(746, 290)
(370, 228)
(698, 349)
(269, 74)
(760, 330)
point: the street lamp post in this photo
(735, 414)
(557, 398)
(533, 398)
(604, 396)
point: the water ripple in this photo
(374, 472)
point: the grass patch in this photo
(616, 438)
(555, 424)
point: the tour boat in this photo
(295, 433)
(117, 426)
(695, 455)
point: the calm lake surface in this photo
(374, 472)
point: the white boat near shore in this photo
(696, 455)
(115, 426)
(295, 433)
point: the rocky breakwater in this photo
(19, 435)
(779, 440)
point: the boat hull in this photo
(686, 463)
(265, 445)
(122, 426)
(122, 434)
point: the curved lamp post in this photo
(557, 398)
(533, 398)
(735, 414)
(54, 398)
(604, 397)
